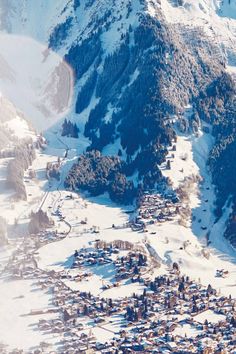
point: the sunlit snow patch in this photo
(35, 79)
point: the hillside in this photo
(136, 69)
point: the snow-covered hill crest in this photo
(217, 18)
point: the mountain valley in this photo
(117, 176)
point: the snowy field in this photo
(102, 213)
(17, 327)
(19, 297)
(39, 82)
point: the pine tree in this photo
(64, 128)
(69, 129)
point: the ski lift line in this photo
(47, 193)
(44, 199)
(59, 185)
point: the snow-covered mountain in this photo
(87, 32)
(78, 19)
(137, 65)
(137, 106)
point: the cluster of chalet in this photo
(131, 264)
(149, 322)
(93, 257)
(157, 320)
(154, 208)
(22, 264)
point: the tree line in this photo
(99, 174)
(24, 156)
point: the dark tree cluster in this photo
(3, 231)
(70, 129)
(146, 83)
(76, 4)
(54, 172)
(217, 105)
(136, 314)
(131, 266)
(121, 190)
(24, 156)
(99, 174)
(60, 33)
(39, 221)
(230, 232)
(84, 96)
(82, 55)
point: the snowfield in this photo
(39, 82)
(18, 297)
(20, 128)
(209, 316)
(17, 327)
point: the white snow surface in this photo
(210, 316)
(17, 327)
(202, 202)
(39, 82)
(20, 128)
